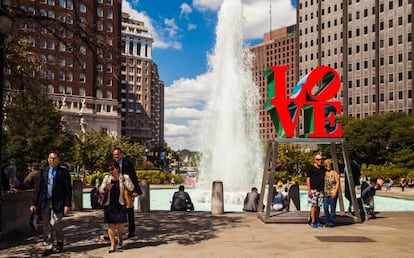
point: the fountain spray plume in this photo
(231, 147)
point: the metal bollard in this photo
(217, 200)
(144, 198)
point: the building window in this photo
(69, 4)
(82, 92)
(109, 94)
(69, 76)
(82, 78)
(50, 88)
(99, 12)
(82, 8)
(99, 94)
(68, 90)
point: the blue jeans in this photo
(329, 208)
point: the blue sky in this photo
(184, 36)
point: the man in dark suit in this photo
(53, 198)
(126, 167)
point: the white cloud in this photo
(185, 10)
(189, 93)
(191, 26)
(185, 98)
(182, 114)
(256, 13)
(207, 5)
(171, 27)
(158, 31)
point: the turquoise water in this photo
(160, 200)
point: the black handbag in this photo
(103, 197)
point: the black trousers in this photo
(131, 221)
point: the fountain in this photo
(231, 148)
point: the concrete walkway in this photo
(237, 234)
(201, 234)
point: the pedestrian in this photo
(331, 193)
(9, 180)
(402, 184)
(32, 178)
(356, 174)
(53, 198)
(115, 212)
(181, 200)
(127, 168)
(251, 201)
(315, 176)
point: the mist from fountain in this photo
(231, 148)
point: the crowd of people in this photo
(52, 196)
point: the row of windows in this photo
(357, 30)
(382, 6)
(399, 77)
(68, 4)
(67, 90)
(382, 97)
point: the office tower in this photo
(78, 45)
(369, 43)
(142, 91)
(278, 48)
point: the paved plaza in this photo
(236, 234)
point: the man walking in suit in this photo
(126, 167)
(53, 198)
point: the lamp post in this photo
(145, 147)
(5, 28)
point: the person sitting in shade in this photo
(251, 200)
(181, 201)
(277, 201)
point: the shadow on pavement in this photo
(83, 232)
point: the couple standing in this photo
(323, 188)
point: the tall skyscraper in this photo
(79, 49)
(142, 91)
(369, 43)
(278, 48)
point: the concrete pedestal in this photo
(217, 198)
(77, 195)
(144, 198)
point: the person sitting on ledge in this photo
(251, 200)
(181, 201)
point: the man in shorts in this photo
(315, 175)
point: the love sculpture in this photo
(313, 94)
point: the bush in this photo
(385, 171)
(90, 179)
(158, 177)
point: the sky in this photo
(184, 37)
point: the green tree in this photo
(33, 127)
(93, 150)
(381, 139)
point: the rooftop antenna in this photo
(270, 19)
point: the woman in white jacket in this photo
(115, 211)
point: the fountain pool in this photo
(160, 200)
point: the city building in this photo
(96, 66)
(278, 48)
(369, 43)
(78, 46)
(142, 91)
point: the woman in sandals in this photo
(114, 208)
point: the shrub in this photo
(90, 179)
(385, 171)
